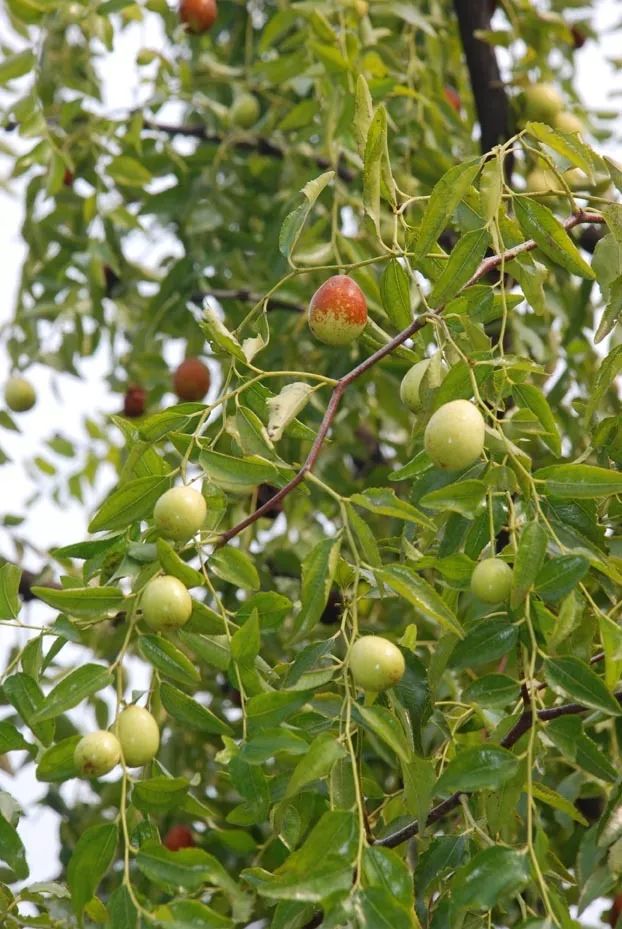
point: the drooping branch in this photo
(579, 218)
(257, 144)
(491, 102)
(520, 727)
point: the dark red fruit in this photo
(134, 401)
(191, 380)
(198, 15)
(68, 178)
(453, 98)
(265, 492)
(616, 909)
(333, 611)
(178, 837)
(578, 37)
(111, 279)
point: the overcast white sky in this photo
(63, 403)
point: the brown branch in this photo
(520, 727)
(491, 102)
(581, 216)
(247, 296)
(257, 144)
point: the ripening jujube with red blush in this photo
(134, 402)
(338, 311)
(191, 380)
(178, 837)
(198, 15)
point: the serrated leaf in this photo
(294, 221)
(318, 571)
(386, 727)
(529, 559)
(235, 567)
(491, 875)
(172, 564)
(321, 755)
(395, 293)
(190, 712)
(82, 601)
(218, 335)
(612, 312)
(413, 588)
(363, 113)
(463, 261)
(384, 502)
(485, 767)
(130, 502)
(75, 687)
(90, 860)
(540, 224)
(576, 679)
(167, 659)
(286, 406)
(10, 576)
(579, 481)
(533, 399)
(444, 198)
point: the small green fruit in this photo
(376, 663)
(166, 604)
(19, 394)
(454, 436)
(97, 753)
(568, 122)
(245, 111)
(338, 311)
(411, 382)
(542, 102)
(179, 513)
(491, 580)
(138, 734)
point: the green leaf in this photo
(12, 851)
(132, 501)
(23, 692)
(121, 910)
(56, 764)
(487, 641)
(547, 795)
(607, 372)
(91, 858)
(384, 502)
(375, 147)
(575, 678)
(539, 223)
(560, 575)
(294, 221)
(215, 650)
(464, 497)
(272, 742)
(128, 172)
(579, 481)
(385, 726)
(172, 564)
(529, 559)
(318, 571)
(363, 113)
(190, 914)
(413, 588)
(533, 399)
(445, 197)
(478, 768)
(491, 875)
(492, 690)
(190, 712)
(219, 336)
(10, 576)
(567, 734)
(326, 878)
(445, 853)
(463, 261)
(11, 739)
(378, 908)
(567, 144)
(322, 754)
(237, 474)
(167, 659)
(234, 566)
(14, 66)
(612, 312)
(188, 868)
(264, 711)
(395, 293)
(82, 601)
(246, 642)
(160, 794)
(75, 687)
(383, 867)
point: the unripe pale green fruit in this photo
(376, 663)
(542, 102)
(411, 383)
(454, 436)
(166, 604)
(179, 513)
(245, 111)
(567, 122)
(138, 734)
(491, 580)
(338, 311)
(19, 394)
(541, 181)
(97, 753)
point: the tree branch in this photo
(520, 727)
(491, 103)
(258, 144)
(580, 217)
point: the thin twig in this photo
(520, 727)
(580, 217)
(247, 296)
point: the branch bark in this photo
(488, 264)
(491, 102)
